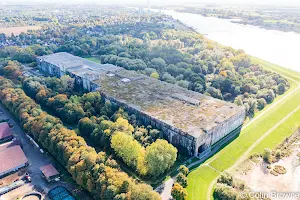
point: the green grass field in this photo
(278, 135)
(200, 179)
(94, 59)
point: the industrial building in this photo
(11, 160)
(5, 132)
(191, 121)
(84, 71)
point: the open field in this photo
(17, 30)
(199, 181)
(204, 176)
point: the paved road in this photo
(35, 158)
(166, 193)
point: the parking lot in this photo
(36, 160)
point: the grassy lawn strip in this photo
(283, 71)
(229, 155)
(285, 130)
(198, 182)
(204, 176)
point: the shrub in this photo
(278, 154)
(267, 155)
(182, 180)
(279, 169)
(224, 192)
(226, 178)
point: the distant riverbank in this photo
(281, 48)
(247, 18)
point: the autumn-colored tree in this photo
(12, 70)
(178, 192)
(89, 169)
(184, 170)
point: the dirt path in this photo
(246, 154)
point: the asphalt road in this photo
(35, 158)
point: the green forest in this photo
(107, 151)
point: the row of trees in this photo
(140, 148)
(96, 172)
(178, 190)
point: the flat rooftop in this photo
(188, 111)
(77, 65)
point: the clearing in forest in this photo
(17, 30)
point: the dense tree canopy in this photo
(157, 49)
(89, 169)
(159, 157)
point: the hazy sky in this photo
(164, 2)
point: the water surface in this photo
(282, 48)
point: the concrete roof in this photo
(11, 158)
(190, 112)
(4, 130)
(77, 65)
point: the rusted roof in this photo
(49, 170)
(12, 158)
(4, 130)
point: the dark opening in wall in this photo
(201, 148)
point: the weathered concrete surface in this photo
(191, 121)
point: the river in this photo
(282, 48)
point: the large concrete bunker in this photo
(190, 120)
